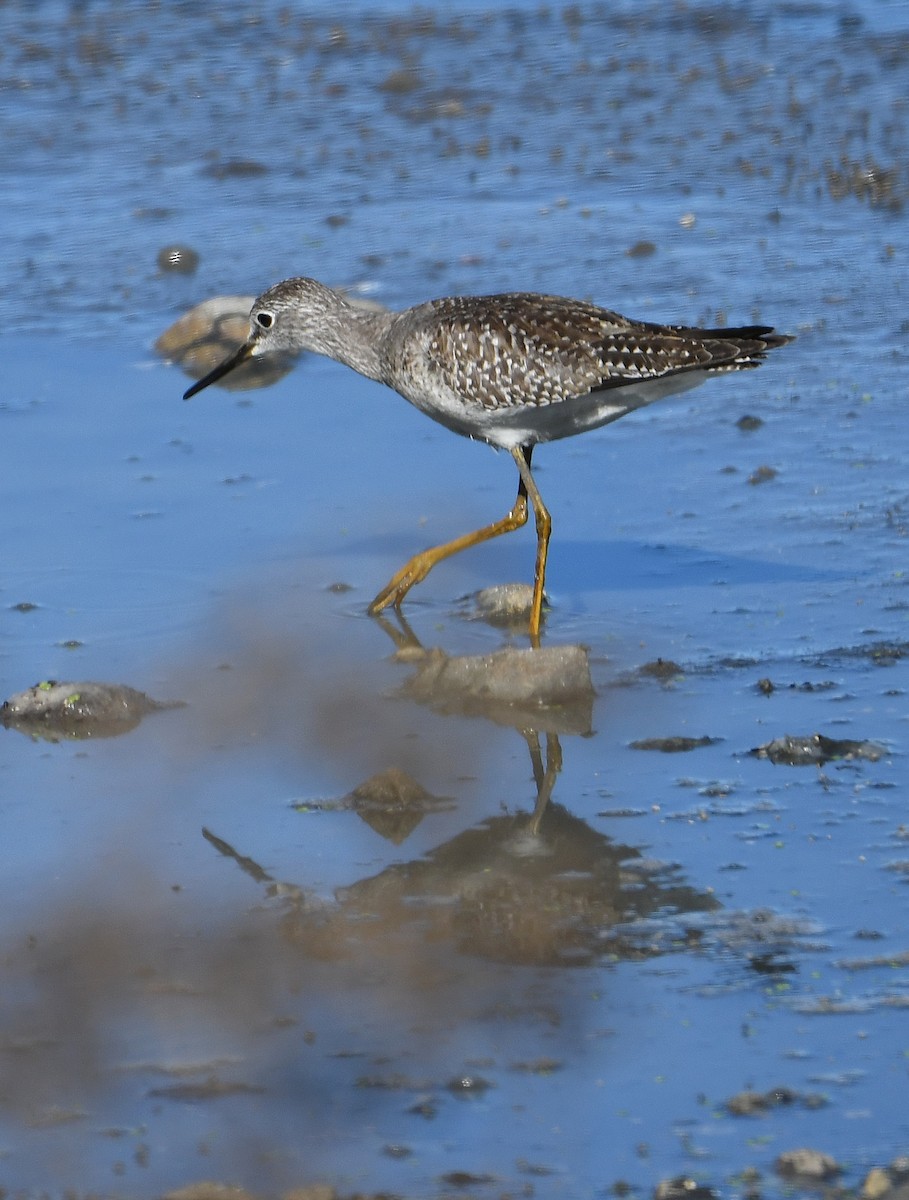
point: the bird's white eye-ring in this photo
(265, 320)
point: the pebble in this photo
(177, 260)
(806, 1164)
(505, 603)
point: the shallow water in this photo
(297, 995)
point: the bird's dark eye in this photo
(265, 320)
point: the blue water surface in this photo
(292, 996)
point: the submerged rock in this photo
(814, 749)
(54, 710)
(393, 803)
(547, 689)
(504, 604)
(660, 668)
(391, 789)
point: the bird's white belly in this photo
(526, 424)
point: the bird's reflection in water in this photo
(561, 895)
(544, 773)
(544, 691)
(548, 889)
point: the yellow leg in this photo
(421, 564)
(418, 567)
(544, 529)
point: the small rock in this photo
(397, 1151)
(177, 260)
(393, 804)
(892, 1181)
(504, 604)
(749, 1103)
(683, 1187)
(401, 81)
(548, 688)
(53, 710)
(762, 475)
(393, 788)
(469, 1085)
(806, 1164)
(641, 250)
(425, 1107)
(748, 424)
(877, 1183)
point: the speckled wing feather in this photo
(518, 349)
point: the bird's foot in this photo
(402, 581)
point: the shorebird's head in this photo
(289, 317)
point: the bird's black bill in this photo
(234, 360)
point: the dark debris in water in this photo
(674, 745)
(880, 185)
(758, 936)
(882, 654)
(235, 168)
(179, 260)
(815, 749)
(209, 1089)
(807, 1168)
(762, 475)
(394, 1082)
(749, 1103)
(660, 668)
(465, 1179)
(767, 687)
(539, 1066)
(749, 423)
(469, 1086)
(684, 1187)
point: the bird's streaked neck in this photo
(355, 339)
